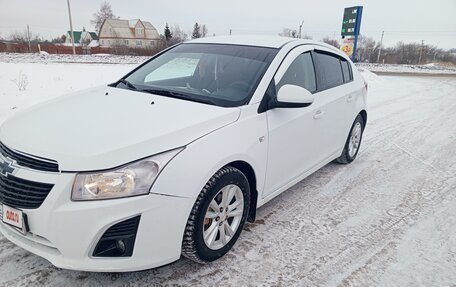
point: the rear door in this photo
(338, 98)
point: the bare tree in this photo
(204, 31)
(178, 35)
(287, 32)
(22, 37)
(331, 41)
(104, 13)
(407, 53)
(367, 49)
(58, 40)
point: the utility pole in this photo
(380, 48)
(28, 39)
(300, 29)
(71, 27)
(421, 51)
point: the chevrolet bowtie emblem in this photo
(6, 166)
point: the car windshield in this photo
(223, 75)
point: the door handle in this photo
(318, 114)
(350, 98)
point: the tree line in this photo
(402, 53)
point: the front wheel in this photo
(218, 216)
(353, 142)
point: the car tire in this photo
(200, 230)
(353, 142)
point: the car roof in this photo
(252, 40)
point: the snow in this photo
(387, 219)
(46, 81)
(59, 58)
(415, 69)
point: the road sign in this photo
(351, 22)
(351, 25)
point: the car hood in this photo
(106, 127)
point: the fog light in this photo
(118, 240)
(120, 245)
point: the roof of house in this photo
(125, 28)
(79, 34)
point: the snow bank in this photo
(57, 58)
(371, 78)
(423, 69)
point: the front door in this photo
(295, 134)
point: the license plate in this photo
(13, 217)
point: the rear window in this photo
(331, 70)
(346, 70)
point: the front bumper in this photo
(66, 232)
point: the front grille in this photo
(21, 193)
(25, 161)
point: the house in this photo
(129, 33)
(82, 38)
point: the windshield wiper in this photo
(177, 95)
(128, 84)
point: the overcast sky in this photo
(408, 21)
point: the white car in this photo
(176, 156)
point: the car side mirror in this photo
(292, 96)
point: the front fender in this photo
(188, 172)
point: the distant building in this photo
(82, 38)
(130, 33)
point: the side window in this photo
(331, 70)
(300, 73)
(346, 70)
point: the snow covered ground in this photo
(430, 69)
(388, 219)
(59, 58)
(45, 81)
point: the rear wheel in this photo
(353, 142)
(218, 216)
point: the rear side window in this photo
(300, 73)
(330, 69)
(346, 70)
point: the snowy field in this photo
(388, 219)
(428, 69)
(58, 58)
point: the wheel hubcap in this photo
(355, 139)
(223, 217)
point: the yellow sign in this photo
(347, 49)
(347, 46)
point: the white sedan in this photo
(176, 156)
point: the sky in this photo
(407, 21)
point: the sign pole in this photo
(355, 45)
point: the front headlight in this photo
(133, 179)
